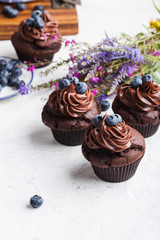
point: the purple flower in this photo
(94, 91)
(23, 90)
(31, 68)
(56, 85)
(94, 79)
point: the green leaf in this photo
(158, 10)
(126, 36)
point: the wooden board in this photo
(66, 18)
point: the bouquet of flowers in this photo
(112, 61)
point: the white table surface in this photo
(77, 205)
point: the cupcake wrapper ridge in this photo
(69, 138)
(146, 131)
(116, 174)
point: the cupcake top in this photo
(72, 99)
(109, 132)
(141, 95)
(41, 29)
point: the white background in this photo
(77, 205)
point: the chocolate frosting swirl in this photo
(144, 98)
(41, 37)
(115, 138)
(71, 103)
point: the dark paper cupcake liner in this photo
(69, 138)
(146, 131)
(116, 174)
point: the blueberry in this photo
(12, 81)
(4, 73)
(20, 6)
(36, 14)
(36, 201)
(63, 83)
(97, 119)
(30, 22)
(111, 120)
(75, 80)
(119, 118)
(39, 7)
(3, 81)
(1, 87)
(147, 77)
(6, 9)
(12, 13)
(136, 82)
(16, 72)
(105, 105)
(3, 64)
(81, 87)
(38, 23)
(19, 83)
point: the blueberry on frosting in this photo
(112, 120)
(36, 14)
(30, 22)
(63, 83)
(136, 82)
(75, 80)
(97, 119)
(105, 105)
(147, 78)
(81, 87)
(119, 118)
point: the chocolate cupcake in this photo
(69, 111)
(113, 148)
(139, 104)
(38, 39)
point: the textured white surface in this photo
(77, 205)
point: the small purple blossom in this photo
(31, 68)
(67, 42)
(54, 37)
(73, 41)
(94, 79)
(94, 91)
(56, 85)
(23, 90)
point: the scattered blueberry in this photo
(39, 7)
(136, 82)
(36, 201)
(38, 23)
(6, 9)
(105, 105)
(3, 64)
(16, 72)
(81, 87)
(97, 119)
(111, 120)
(119, 118)
(0, 87)
(12, 13)
(63, 83)
(36, 14)
(3, 81)
(30, 22)
(20, 6)
(147, 77)
(75, 80)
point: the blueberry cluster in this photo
(111, 120)
(80, 87)
(11, 12)
(137, 81)
(35, 20)
(9, 74)
(36, 201)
